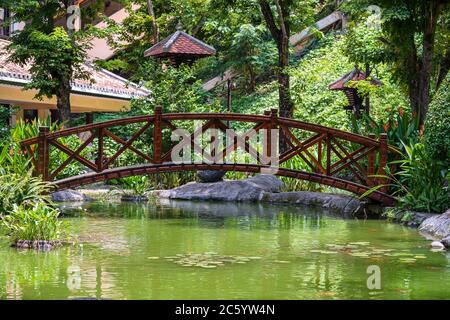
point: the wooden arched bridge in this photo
(328, 156)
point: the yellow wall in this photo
(14, 95)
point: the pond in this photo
(198, 250)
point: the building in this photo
(108, 93)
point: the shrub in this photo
(37, 223)
(421, 181)
(25, 191)
(437, 126)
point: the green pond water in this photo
(197, 250)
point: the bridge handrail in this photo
(329, 158)
(293, 123)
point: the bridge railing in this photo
(325, 151)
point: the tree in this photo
(250, 53)
(414, 39)
(280, 33)
(55, 53)
(151, 12)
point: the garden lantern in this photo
(354, 97)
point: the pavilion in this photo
(179, 48)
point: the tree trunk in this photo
(63, 101)
(285, 103)
(431, 15)
(252, 78)
(281, 37)
(151, 12)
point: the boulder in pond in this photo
(346, 205)
(251, 189)
(437, 245)
(69, 196)
(437, 226)
(210, 175)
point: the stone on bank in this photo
(267, 188)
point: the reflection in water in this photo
(122, 251)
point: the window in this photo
(30, 115)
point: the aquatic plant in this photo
(136, 185)
(38, 223)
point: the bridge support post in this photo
(328, 140)
(99, 160)
(157, 135)
(371, 165)
(383, 159)
(43, 154)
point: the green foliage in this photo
(251, 54)
(424, 179)
(137, 185)
(401, 127)
(39, 222)
(410, 37)
(5, 113)
(22, 190)
(15, 160)
(169, 180)
(437, 126)
(175, 89)
(292, 184)
(362, 42)
(313, 101)
(421, 183)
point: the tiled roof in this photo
(105, 83)
(354, 75)
(180, 43)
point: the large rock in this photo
(446, 242)
(251, 189)
(437, 226)
(410, 218)
(210, 175)
(267, 188)
(69, 196)
(345, 205)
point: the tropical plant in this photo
(401, 127)
(421, 183)
(39, 222)
(136, 185)
(22, 190)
